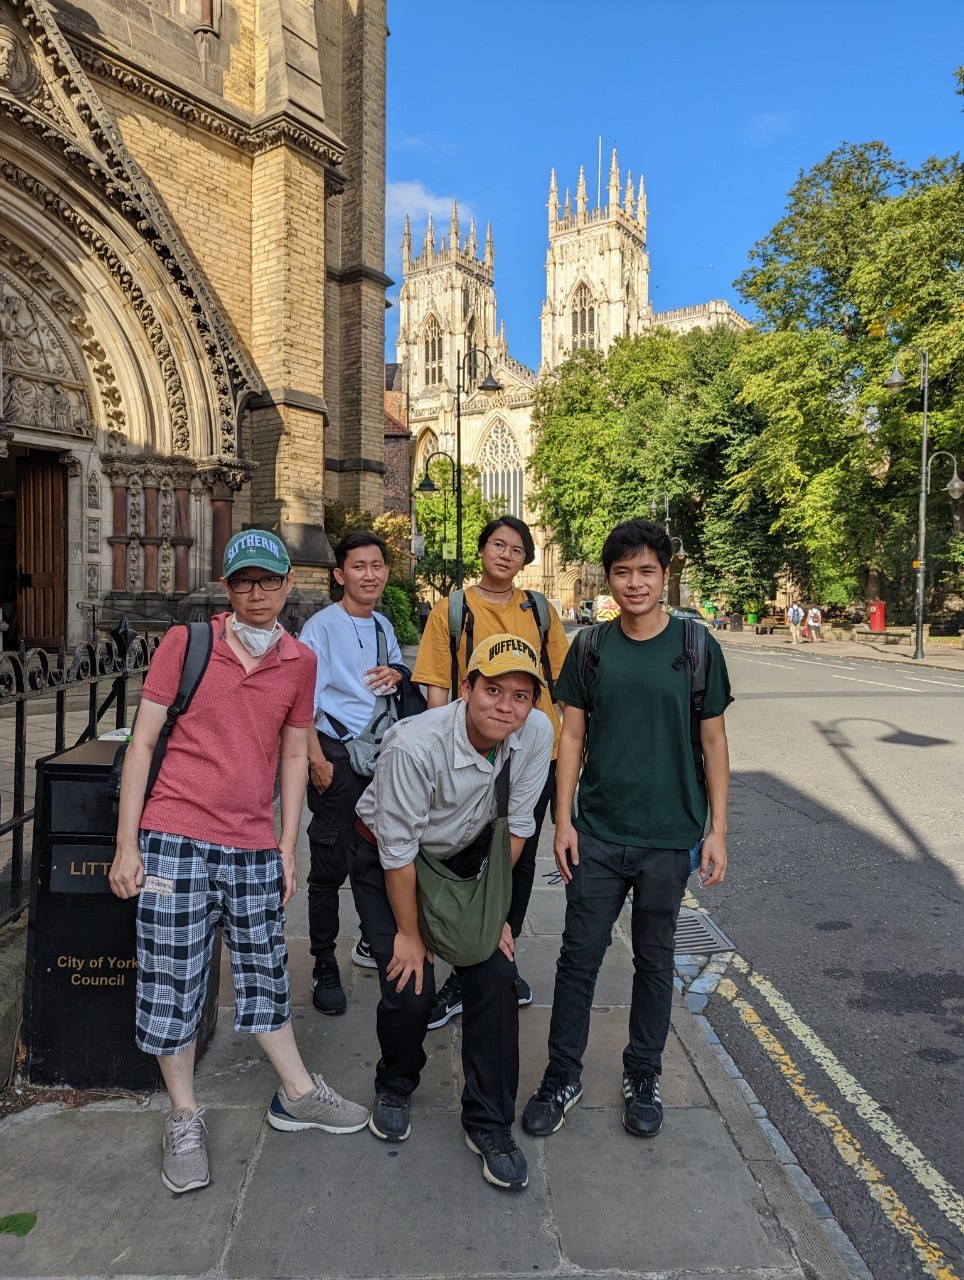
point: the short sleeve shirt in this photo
(434, 662)
(217, 779)
(639, 785)
(346, 647)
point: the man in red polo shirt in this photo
(202, 850)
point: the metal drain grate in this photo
(697, 934)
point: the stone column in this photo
(223, 482)
(151, 539)
(182, 540)
(120, 537)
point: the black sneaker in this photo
(361, 954)
(643, 1112)
(523, 990)
(328, 995)
(546, 1109)
(390, 1116)
(503, 1164)
(448, 1003)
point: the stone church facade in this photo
(191, 294)
(597, 289)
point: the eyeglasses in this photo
(244, 586)
(499, 547)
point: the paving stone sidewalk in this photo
(708, 1197)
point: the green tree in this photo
(435, 517)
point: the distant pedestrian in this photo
(424, 609)
(202, 849)
(814, 623)
(795, 616)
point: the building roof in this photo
(393, 427)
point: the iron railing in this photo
(33, 676)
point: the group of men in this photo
(799, 618)
(638, 768)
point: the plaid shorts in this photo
(190, 886)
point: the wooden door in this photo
(41, 550)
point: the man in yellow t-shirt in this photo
(493, 606)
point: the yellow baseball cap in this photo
(499, 654)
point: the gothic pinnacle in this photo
(407, 245)
(489, 247)
(613, 184)
(472, 244)
(553, 200)
(630, 197)
(581, 193)
(454, 232)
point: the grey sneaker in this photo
(185, 1165)
(503, 1164)
(320, 1109)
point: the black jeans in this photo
(330, 834)
(490, 1013)
(600, 882)
(523, 873)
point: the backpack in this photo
(200, 642)
(461, 619)
(586, 647)
(795, 615)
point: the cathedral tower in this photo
(597, 269)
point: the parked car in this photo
(686, 611)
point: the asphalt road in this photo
(844, 901)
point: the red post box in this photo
(877, 615)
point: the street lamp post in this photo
(489, 385)
(428, 485)
(897, 382)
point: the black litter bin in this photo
(81, 953)
(736, 621)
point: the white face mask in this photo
(257, 640)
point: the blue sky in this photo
(718, 105)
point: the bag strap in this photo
(460, 619)
(200, 642)
(381, 644)
(381, 660)
(502, 790)
(586, 644)
(695, 645)
(540, 606)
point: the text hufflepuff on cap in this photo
(502, 653)
(256, 549)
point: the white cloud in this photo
(418, 202)
(769, 125)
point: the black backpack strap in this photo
(381, 645)
(200, 642)
(340, 729)
(695, 645)
(461, 621)
(502, 789)
(540, 606)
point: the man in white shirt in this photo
(349, 678)
(435, 789)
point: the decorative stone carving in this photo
(86, 131)
(93, 581)
(93, 491)
(135, 490)
(16, 68)
(73, 464)
(93, 534)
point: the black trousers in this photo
(594, 897)
(490, 1011)
(330, 834)
(524, 871)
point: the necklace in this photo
(494, 591)
(353, 626)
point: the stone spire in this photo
(581, 195)
(553, 201)
(407, 246)
(567, 206)
(489, 248)
(641, 203)
(613, 184)
(630, 197)
(429, 244)
(454, 232)
(472, 244)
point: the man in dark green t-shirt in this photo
(640, 816)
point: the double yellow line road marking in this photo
(941, 1192)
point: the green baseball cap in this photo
(256, 548)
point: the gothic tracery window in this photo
(501, 471)
(583, 319)
(427, 445)
(432, 349)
